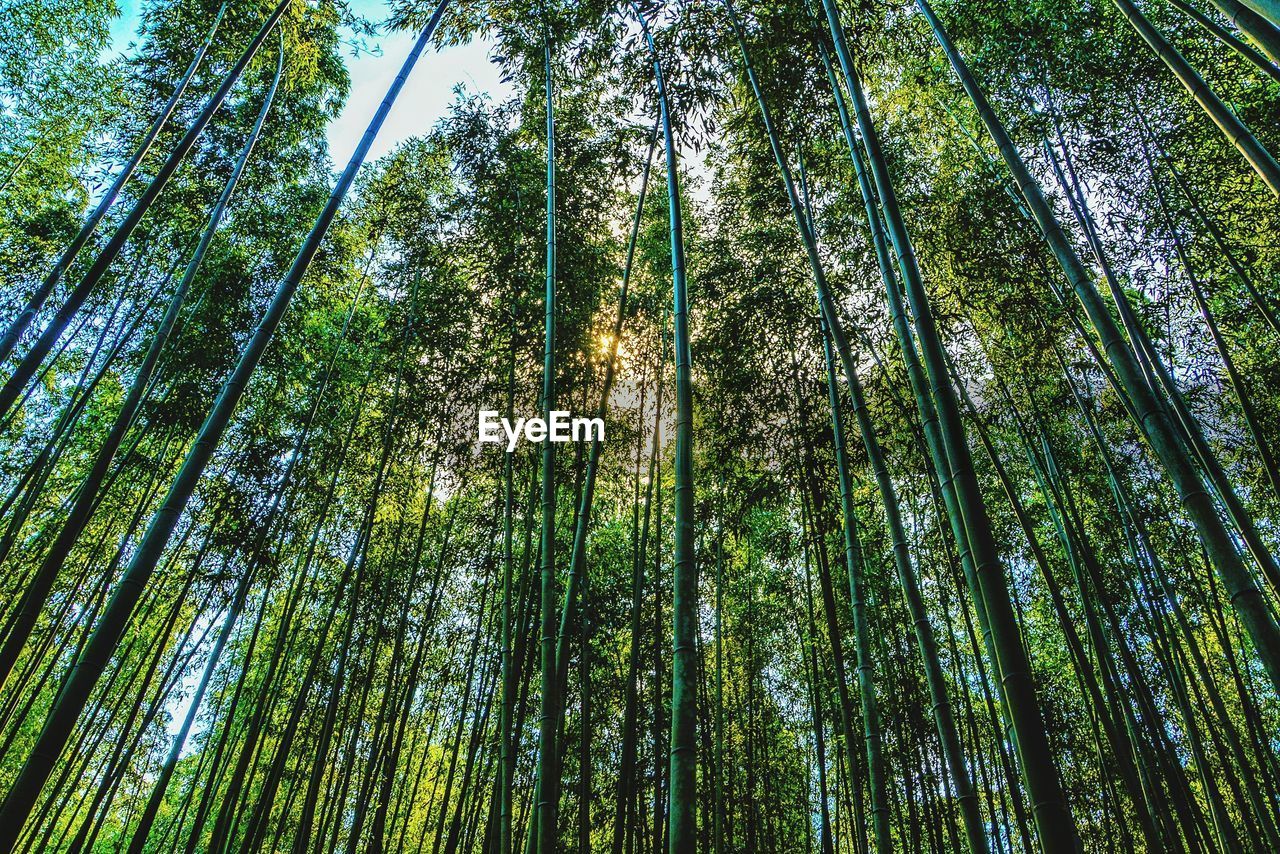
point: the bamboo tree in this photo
(1142, 554)
(812, 508)
(880, 818)
(682, 825)
(1157, 376)
(659, 735)
(1247, 409)
(625, 803)
(1152, 417)
(856, 567)
(906, 571)
(1069, 522)
(30, 364)
(342, 616)
(1262, 32)
(544, 839)
(1223, 35)
(37, 591)
(1053, 818)
(1123, 749)
(928, 413)
(106, 634)
(718, 761)
(34, 303)
(1268, 9)
(1262, 303)
(583, 521)
(506, 761)
(1234, 129)
(1234, 377)
(33, 481)
(578, 558)
(810, 640)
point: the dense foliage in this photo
(945, 519)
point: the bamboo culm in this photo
(79, 684)
(37, 300)
(48, 338)
(1152, 417)
(682, 788)
(37, 591)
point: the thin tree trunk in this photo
(1234, 129)
(1268, 9)
(547, 786)
(1226, 37)
(31, 362)
(20, 323)
(62, 717)
(1152, 419)
(1053, 817)
(1262, 32)
(37, 591)
(625, 805)
(682, 788)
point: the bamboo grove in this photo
(938, 350)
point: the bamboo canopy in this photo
(889, 398)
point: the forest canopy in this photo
(937, 347)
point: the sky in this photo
(422, 102)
